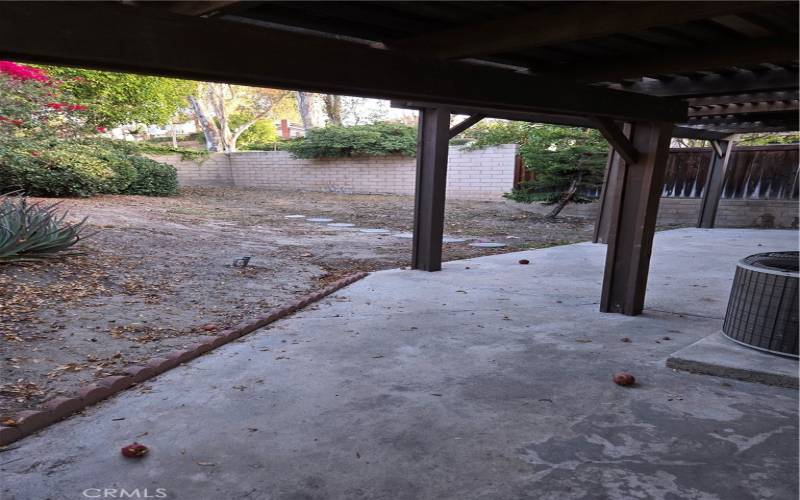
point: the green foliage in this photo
(557, 156)
(33, 231)
(261, 132)
(767, 139)
(380, 139)
(153, 179)
(116, 99)
(195, 155)
(495, 133)
(82, 168)
(277, 145)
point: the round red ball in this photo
(624, 379)
(134, 450)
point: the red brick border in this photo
(30, 421)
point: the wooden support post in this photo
(432, 144)
(609, 191)
(634, 207)
(715, 181)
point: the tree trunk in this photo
(333, 108)
(174, 137)
(210, 130)
(565, 198)
(304, 101)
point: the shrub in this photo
(62, 169)
(153, 178)
(278, 145)
(70, 168)
(33, 231)
(380, 139)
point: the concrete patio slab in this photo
(488, 380)
(720, 356)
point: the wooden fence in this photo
(755, 172)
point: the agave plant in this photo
(32, 231)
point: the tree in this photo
(332, 104)
(115, 99)
(305, 105)
(226, 111)
(564, 161)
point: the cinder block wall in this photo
(683, 212)
(481, 174)
(214, 171)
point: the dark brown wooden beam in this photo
(718, 147)
(432, 148)
(730, 130)
(633, 220)
(684, 132)
(744, 109)
(566, 22)
(617, 139)
(196, 8)
(608, 192)
(756, 97)
(715, 181)
(464, 124)
(785, 117)
(137, 40)
(683, 60)
(740, 82)
(522, 116)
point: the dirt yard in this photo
(158, 274)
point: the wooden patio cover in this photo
(640, 72)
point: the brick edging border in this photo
(29, 421)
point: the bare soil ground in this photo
(158, 273)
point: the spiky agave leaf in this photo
(34, 231)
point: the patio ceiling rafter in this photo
(135, 40)
(565, 23)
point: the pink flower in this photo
(34, 153)
(22, 72)
(101, 129)
(54, 105)
(77, 107)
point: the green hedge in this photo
(380, 139)
(74, 168)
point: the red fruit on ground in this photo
(210, 327)
(624, 379)
(134, 450)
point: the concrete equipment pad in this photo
(720, 356)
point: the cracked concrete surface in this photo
(488, 380)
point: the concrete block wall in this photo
(758, 213)
(684, 211)
(214, 171)
(482, 174)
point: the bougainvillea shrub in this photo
(49, 148)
